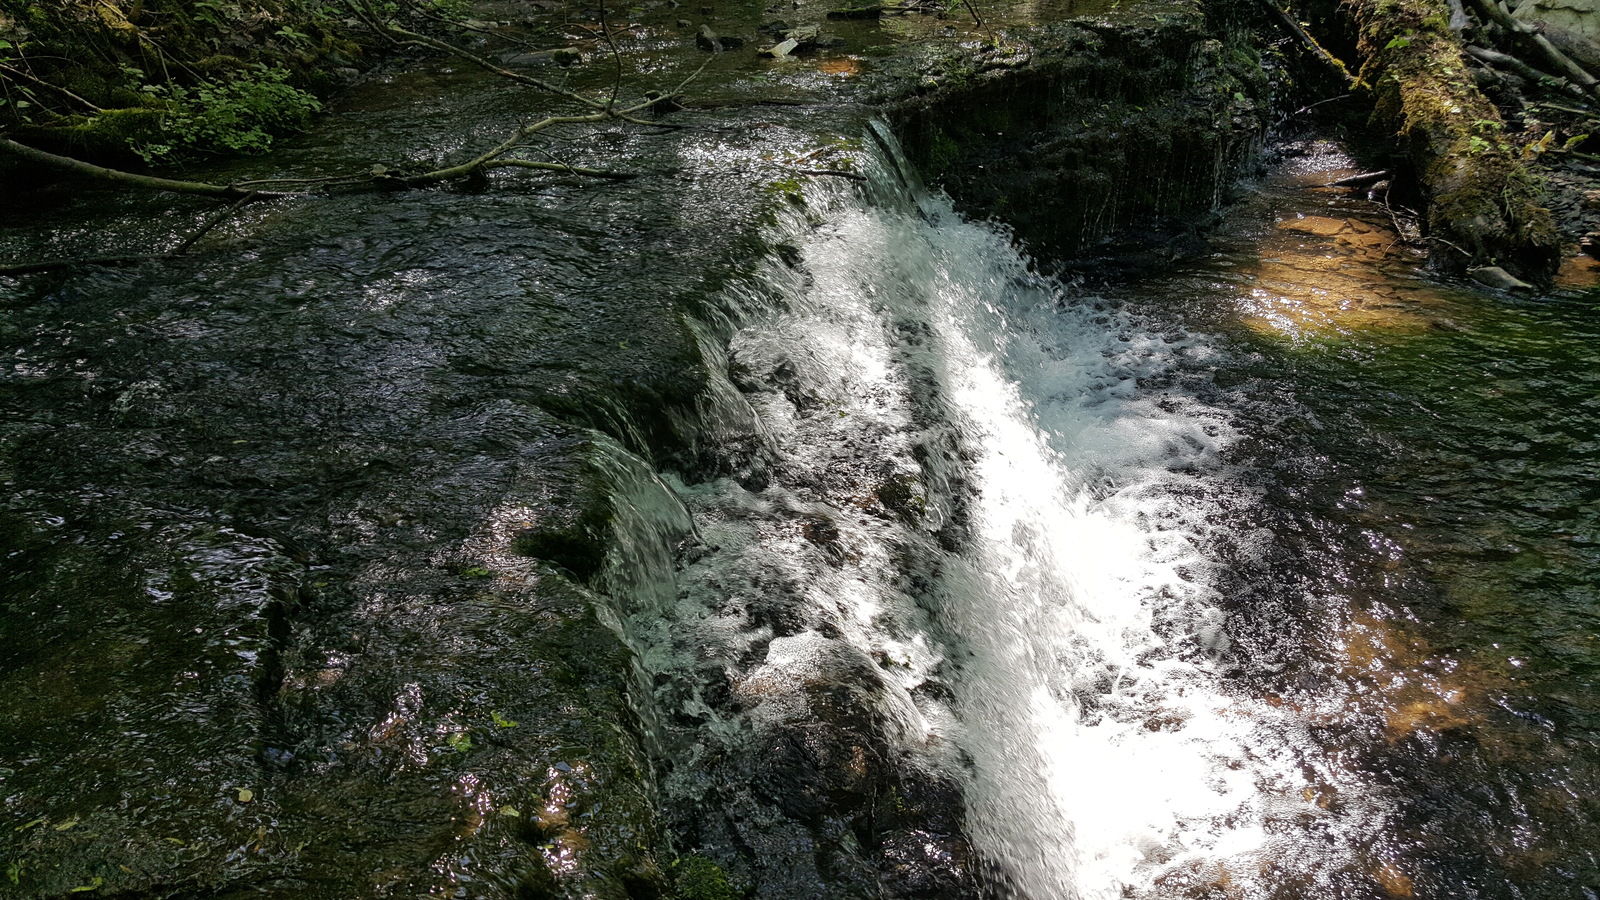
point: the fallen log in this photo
(1481, 199)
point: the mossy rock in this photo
(107, 135)
(698, 878)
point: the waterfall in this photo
(985, 510)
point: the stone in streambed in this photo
(780, 50)
(1496, 277)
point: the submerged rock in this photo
(1496, 277)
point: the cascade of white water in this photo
(1069, 608)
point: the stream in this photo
(554, 540)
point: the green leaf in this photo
(510, 811)
(1397, 43)
(501, 721)
(246, 795)
(460, 741)
(93, 885)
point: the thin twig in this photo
(422, 40)
(616, 56)
(1559, 108)
(54, 87)
(211, 223)
(1309, 107)
(512, 162)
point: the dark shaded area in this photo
(1113, 123)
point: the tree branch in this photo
(1310, 43)
(558, 167)
(102, 173)
(422, 40)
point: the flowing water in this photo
(1220, 600)
(1271, 574)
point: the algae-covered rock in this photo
(108, 134)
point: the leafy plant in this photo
(238, 116)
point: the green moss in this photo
(106, 134)
(698, 878)
(206, 61)
(943, 153)
(1481, 200)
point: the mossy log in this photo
(1484, 205)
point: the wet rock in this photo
(1496, 277)
(1589, 244)
(869, 11)
(707, 40)
(782, 49)
(811, 38)
(1019, 134)
(563, 56)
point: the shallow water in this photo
(1426, 455)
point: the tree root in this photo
(1494, 11)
